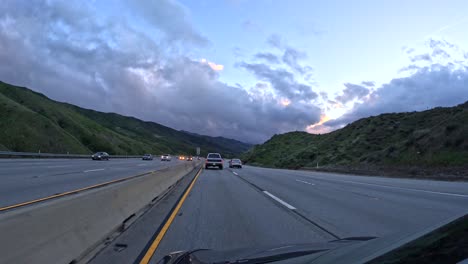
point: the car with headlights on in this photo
(100, 156)
(147, 157)
(166, 157)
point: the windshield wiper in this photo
(273, 258)
(357, 238)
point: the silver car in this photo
(235, 163)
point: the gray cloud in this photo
(275, 41)
(437, 52)
(169, 17)
(351, 92)
(324, 95)
(439, 48)
(421, 57)
(267, 56)
(410, 67)
(291, 57)
(368, 83)
(433, 81)
(440, 52)
(66, 52)
(206, 105)
(409, 51)
(429, 87)
(434, 43)
(282, 81)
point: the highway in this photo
(23, 180)
(252, 207)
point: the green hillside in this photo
(433, 138)
(30, 121)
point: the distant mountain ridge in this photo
(30, 121)
(427, 139)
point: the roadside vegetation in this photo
(31, 122)
(415, 144)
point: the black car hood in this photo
(288, 253)
(351, 250)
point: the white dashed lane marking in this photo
(94, 170)
(280, 201)
(305, 182)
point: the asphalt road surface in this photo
(252, 207)
(23, 180)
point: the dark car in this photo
(214, 160)
(235, 163)
(100, 156)
(189, 158)
(147, 157)
(293, 253)
(444, 244)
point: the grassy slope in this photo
(162, 135)
(25, 130)
(437, 137)
(31, 122)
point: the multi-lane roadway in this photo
(244, 208)
(23, 180)
(252, 207)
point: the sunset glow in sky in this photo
(237, 68)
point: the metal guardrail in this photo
(12, 154)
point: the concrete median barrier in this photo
(62, 230)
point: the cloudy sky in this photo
(237, 68)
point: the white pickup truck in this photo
(214, 160)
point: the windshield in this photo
(291, 123)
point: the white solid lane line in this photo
(235, 173)
(280, 201)
(94, 170)
(305, 182)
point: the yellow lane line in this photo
(69, 192)
(154, 245)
